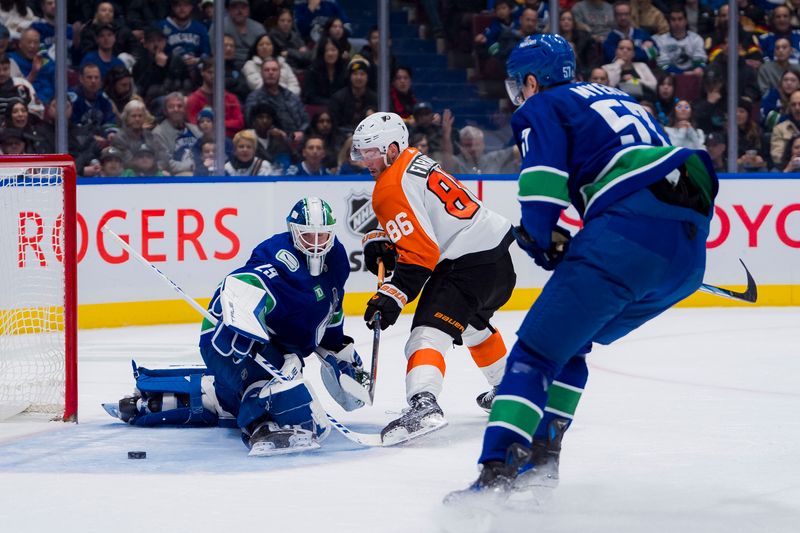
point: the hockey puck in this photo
(137, 455)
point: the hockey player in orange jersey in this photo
(435, 234)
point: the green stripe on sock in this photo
(562, 399)
(515, 413)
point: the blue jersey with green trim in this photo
(590, 145)
(302, 311)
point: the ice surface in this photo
(690, 424)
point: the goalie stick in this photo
(364, 439)
(749, 295)
(376, 337)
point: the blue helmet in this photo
(312, 226)
(547, 56)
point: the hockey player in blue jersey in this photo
(284, 304)
(646, 208)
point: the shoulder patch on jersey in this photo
(288, 258)
(421, 166)
(319, 293)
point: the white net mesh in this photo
(32, 294)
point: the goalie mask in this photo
(312, 225)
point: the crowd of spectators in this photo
(297, 81)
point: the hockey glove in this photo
(343, 375)
(377, 245)
(389, 301)
(547, 258)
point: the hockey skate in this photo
(270, 439)
(422, 417)
(495, 482)
(127, 409)
(537, 479)
(485, 399)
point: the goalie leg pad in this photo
(172, 396)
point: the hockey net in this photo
(38, 327)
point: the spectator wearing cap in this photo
(108, 13)
(103, 55)
(263, 48)
(13, 142)
(244, 30)
(349, 106)
(787, 129)
(205, 123)
(187, 42)
(81, 143)
(151, 71)
(428, 123)
(285, 37)
(313, 154)
(177, 135)
(244, 162)
(204, 96)
(28, 63)
(311, 17)
(272, 143)
(681, 51)
(119, 88)
(716, 146)
(289, 110)
(16, 16)
(142, 162)
(328, 73)
(135, 131)
(111, 165)
(91, 107)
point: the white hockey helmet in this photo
(312, 226)
(379, 131)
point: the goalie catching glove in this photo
(343, 375)
(546, 257)
(377, 245)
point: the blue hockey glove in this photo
(547, 258)
(389, 300)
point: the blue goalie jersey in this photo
(589, 145)
(301, 311)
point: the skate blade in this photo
(263, 449)
(400, 435)
(112, 409)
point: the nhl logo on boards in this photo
(360, 216)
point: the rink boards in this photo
(198, 229)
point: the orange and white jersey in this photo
(430, 215)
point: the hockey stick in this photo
(749, 295)
(376, 337)
(365, 439)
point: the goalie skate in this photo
(270, 439)
(422, 417)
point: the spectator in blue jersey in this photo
(205, 123)
(5, 35)
(272, 143)
(775, 104)
(91, 108)
(46, 26)
(311, 16)
(176, 134)
(126, 44)
(313, 154)
(644, 48)
(187, 42)
(243, 161)
(780, 26)
(291, 114)
(681, 51)
(500, 37)
(103, 55)
(646, 209)
(244, 30)
(30, 63)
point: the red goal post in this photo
(38, 286)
